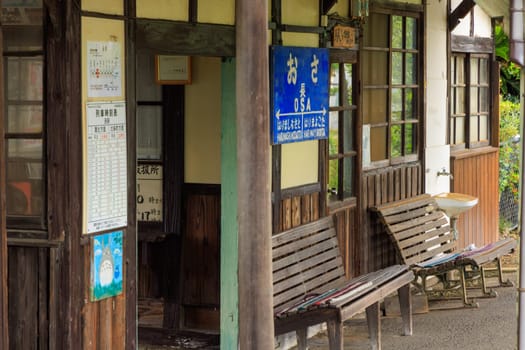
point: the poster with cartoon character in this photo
(106, 266)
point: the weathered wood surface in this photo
(307, 260)
(421, 233)
(382, 186)
(182, 38)
(480, 224)
(4, 331)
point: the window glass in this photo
(378, 145)
(348, 177)
(474, 136)
(397, 104)
(410, 140)
(334, 133)
(411, 33)
(374, 102)
(460, 130)
(474, 77)
(348, 79)
(411, 69)
(334, 84)
(474, 100)
(410, 104)
(483, 127)
(149, 132)
(397, 68)
(397, 32)
(396, 141)
(375, 72)
(22, 35)
(376, 30)
(348, 131)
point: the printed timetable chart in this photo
(299, 94)
(106, 166)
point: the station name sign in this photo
(299, 94)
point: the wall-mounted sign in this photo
(106, 266)
(299, 94)
(104, 71)
(172, 70)
(107, 185)
(149, 192)
(343, 36)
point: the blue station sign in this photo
(299, 94)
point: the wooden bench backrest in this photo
(419, 230)
(306, 259)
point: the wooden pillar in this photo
(3, 234)
(229, 228)
(253, 160)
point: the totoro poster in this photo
(106, 266)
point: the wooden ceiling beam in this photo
(460, 12)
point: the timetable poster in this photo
(104, 71)
(106, 166)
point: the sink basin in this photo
(454, 204)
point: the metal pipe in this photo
(521, 289)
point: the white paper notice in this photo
(106, 166)
(104, 69)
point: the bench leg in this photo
(502, 283)
(405, 305)
(301, 335)
(335, 334)
(374, 325)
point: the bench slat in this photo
(300, 231)
(434, 218)
(331, 269)
(304, 242)
(330, 245)
(408, 204)
(402, 235)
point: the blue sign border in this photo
(300, 81)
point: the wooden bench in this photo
(310, 287)
(423, 240)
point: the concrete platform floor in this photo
(491, 326)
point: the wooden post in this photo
(229, 228)
(253, 160)
(4, 332)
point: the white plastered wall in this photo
(437, 151)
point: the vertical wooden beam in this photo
(256, 329)
(3, 233)
(130, 234)
(229, 228)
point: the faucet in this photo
(444, 172)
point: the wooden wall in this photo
(28, 273)
(476, 173)
(381, 186)
(200, 256)
(298, 206)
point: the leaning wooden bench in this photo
(310, 287)
(423, 240)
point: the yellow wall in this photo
(299, 161)
(202, 144)
(213, 11)
(113, 7)
(176, 10)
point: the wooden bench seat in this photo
(423, 240)
(310, 287)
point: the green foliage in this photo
(509, 72)
(509, 168)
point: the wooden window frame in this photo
(341, 58)
(29, 226)
(416, 12)
(467, 85)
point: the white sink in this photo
(454, 204)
